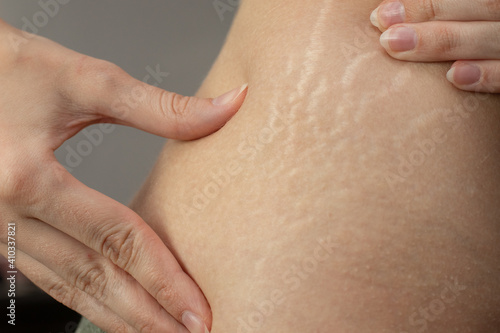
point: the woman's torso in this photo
(351, 193)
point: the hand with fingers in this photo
(446, 30)
(87, 251)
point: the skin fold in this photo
(352, 192)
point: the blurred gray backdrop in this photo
(180, 37)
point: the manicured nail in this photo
(229, 96)
(388, 14)
(464, 74)
(374, 18)
(399, 39)
(193, 323)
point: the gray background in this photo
(183, 37)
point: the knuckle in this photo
(87, 74)
(146, 327)
(18, 186)
(119, 327)
(429, 9)
(168, 294)
(176, 109)
(26, 185)
(172, 104)
(100, 71)
(447, 40)
(105, 74)
(64, 293)
(119, 246)
(92, 280)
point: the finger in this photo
(172, 115)
(83, 269)
(120, 235)
(442, 41)
(392, 12)
(71, 297)
(114, 96)
(477, 75)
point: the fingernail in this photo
(399, 39)
(374, 17)
(194, 323)
(464, 75)
(229, 96)
(388, 14)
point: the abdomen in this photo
(350, 193)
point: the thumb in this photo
(169, 114)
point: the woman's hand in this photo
(86, 250)
(442, 30)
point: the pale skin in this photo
(80, 286)
(86, 250)
(350, 193)
(444, 30)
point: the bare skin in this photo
(351, 192)
(86, 250)
(438, 30)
